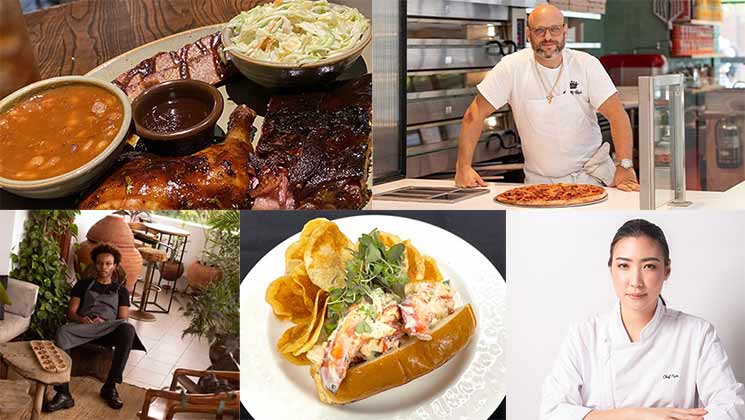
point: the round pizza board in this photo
(554, 206)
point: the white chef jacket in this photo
(677, 362)
(560, 137)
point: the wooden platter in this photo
(49, 356)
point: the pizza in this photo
(545, 195)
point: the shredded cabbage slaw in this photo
(297, 31)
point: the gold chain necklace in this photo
(549, 93)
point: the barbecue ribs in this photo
(314, 149)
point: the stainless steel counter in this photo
(617, 199)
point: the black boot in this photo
(109, 394)
(62, 400)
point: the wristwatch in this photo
(625, 163)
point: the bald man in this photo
(555, 94)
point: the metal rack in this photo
(451, 45)
(429, 55)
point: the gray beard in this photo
(546, 54)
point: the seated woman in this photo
(98, 312)
(642, 360)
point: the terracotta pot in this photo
(200, 275)
(172, 270)
(113, 230)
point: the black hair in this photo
(106, 249)
(637, 228)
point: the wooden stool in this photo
(91, 359)
(22, 359)
(151, 256)
(15, 402)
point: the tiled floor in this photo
(166, 349)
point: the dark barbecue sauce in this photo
(175, 115)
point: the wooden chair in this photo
(192, 399)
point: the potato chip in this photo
(309, 289)
(295, 266)
(389, 239)
(326, 253)
(311, 225)
(296, 250)
(313, 339)
(414, 262)
(287, 299)
(292, 251)
(296, 360)
(431, 272)
(296, 337)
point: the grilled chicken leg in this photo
(217, 177)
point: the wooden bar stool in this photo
(151, 256)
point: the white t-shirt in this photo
(677, 362)
(558, 138)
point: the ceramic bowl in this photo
(77, 179)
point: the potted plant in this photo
(39, 261)
(214, 311)
(207, 269)
(202, 274)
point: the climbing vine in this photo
(39, 261)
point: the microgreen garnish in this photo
(372, 266)
(370, 312)
(363, 328)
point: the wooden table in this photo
(164, 229)
(73, 38)
(19, 356)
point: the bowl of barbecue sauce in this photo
(177, 117)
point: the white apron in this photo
(677, 362)
(561, 146)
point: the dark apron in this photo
(106, 306)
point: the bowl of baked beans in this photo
(59, 135)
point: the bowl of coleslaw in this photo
(296, 43)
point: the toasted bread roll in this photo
(410, 361)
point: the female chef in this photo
(642, 360)
(98, 310)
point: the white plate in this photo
(469, 386)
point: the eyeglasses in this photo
(553, 30)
